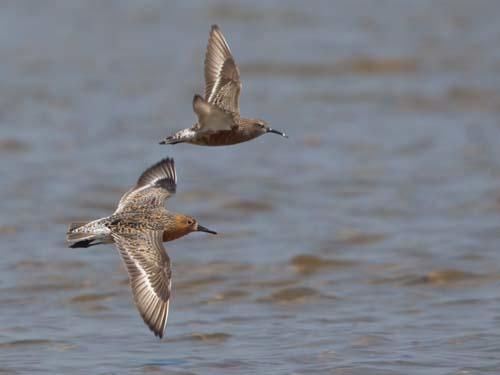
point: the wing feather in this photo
(222, 76)
(154, 186)
(150, 275)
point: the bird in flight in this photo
(219, 122)
(138, 227)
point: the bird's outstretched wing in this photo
(222, 76)
(155, 185)
(150, 275)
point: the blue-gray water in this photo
(366, 243)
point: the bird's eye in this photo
(190, 222)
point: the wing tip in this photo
(217, 36)
(155, 319)
(158, 323)
(163, 169)
(158, 333)
(169, 162)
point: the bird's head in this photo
(184, 225)
(262, 127)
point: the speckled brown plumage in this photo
(138, 227)
(219, 122)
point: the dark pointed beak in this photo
(201, 228)
(270, 130)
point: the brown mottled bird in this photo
(138, 227)
(219, 122)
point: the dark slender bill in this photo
(201, 228)
(277, 132)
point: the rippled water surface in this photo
(366, 243)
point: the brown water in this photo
(367, 243)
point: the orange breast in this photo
(173, 235)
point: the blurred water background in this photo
(366, 243)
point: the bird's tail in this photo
(184, 135)
(86, 234)
(171, 140)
